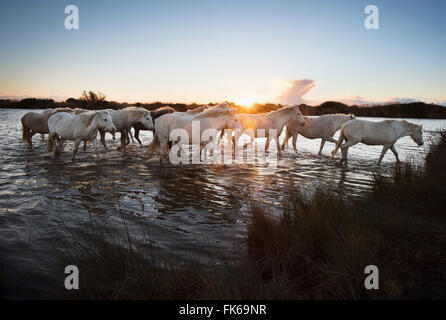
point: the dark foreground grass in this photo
(317, 249)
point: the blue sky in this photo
(216, 50)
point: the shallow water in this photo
(189, 209)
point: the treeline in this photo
(393, 110)
(33, 103)
(94, 101)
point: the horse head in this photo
(146, 120)
(142, 116)
(105, 121)
(417, 134)
(297, 115)
(234, 121)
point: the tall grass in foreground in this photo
(317, 249)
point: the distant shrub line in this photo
(97, 101)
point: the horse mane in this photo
(87, 117)
(136, 112)
(61, 110)
(198, 110)
(160, 111)
(410, 125)
(78, 111)
(47, 111)
(221, 109)
(165, 108)
(283, 109)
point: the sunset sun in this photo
(246, 101)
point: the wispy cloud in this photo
(295, 91)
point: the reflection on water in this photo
(189, 209)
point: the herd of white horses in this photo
(84, 125)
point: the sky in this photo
(290, 52)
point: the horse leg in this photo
(85, 146)
(126, 137)
(385, 148)
(30, 138)
(60, 147)
(163, 150)
(102, 137)
(76, 147)
(94, 142)
(25, 135)
(129, 135)
(234, 142)
(322, 146)
(220, 136)
(123, 134)
(42, 137)
(51, 143)
(344, 152)
(392, 148)
(294, 142)
(331, 139)
(276, 139)
(267, 143)
(57, 144)
(344, 149)
(204, 150)
(137, 136)
(285, 141)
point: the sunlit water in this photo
(190, 210)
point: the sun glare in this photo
(246, 101)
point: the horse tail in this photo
(50, 143)
(338, 144)
(155, 142)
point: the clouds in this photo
(295, 91)
(357, 100)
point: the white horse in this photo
(37, 122)
(218, 117)
(125, 119)
(267, 121)
(384, 133)
(67, 126)
(323, 127)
